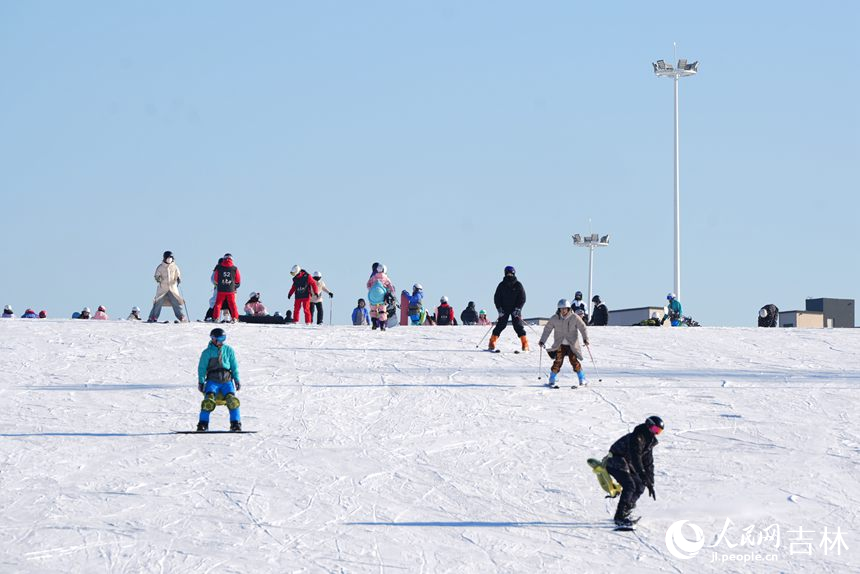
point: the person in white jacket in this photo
(168, 277)
(567, 327)
(317, 298)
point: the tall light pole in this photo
(592, 242)
(664, 70)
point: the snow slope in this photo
(411, 451)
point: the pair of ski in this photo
(555, 386)
(516, 352)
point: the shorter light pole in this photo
(592, 242)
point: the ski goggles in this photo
(655, 430)
(220, 339)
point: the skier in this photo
(303, 287)
(228, 281)
(631, 463)
(768, 316)
(510, 297)
(101, 314)
(43, 314)
(379, 286)
(674, 311)
(8, 313)
(316, 298)
(134, 315)
(566, 327)
(578, 306)
(360, 316)
(600, 314)
(168, 277)
(469, 316)
(29, 314)
(445, 313)
(218, 380)
(482, 318)
(254, 307)
(84, 314)
(416, 311)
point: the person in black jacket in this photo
(509, 299)
(768, 316)
(445, 313)
(631, 463)
(599, 314)
(469, 316)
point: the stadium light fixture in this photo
(592, 242)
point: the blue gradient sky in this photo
(444, 139)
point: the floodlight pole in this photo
(591, 242)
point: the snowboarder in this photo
(482, 318)
(768, 316)
(360, 316)
(445, 313)
(600, 314)
(218, 380)
(379, 286)
(631, 463)
(228, 281)
(510, 297)
(469, 316)
(303, 287)
(29, 314)
(134, 315)
(416, 311)
(673, 313)
(8, 313)
(101, 314)
(254, 307)
(168, 277)
(566, 327)
(316, 298)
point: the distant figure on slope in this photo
(360, 316)
(674, 311)
(768, 316)
(445, 313)
(29, 314)
(316, 298)
(482, 318)
(43, 314)
(134, 315)
(631, 463)
(8, 313)
(228, 281)
(469, 316)
(303, 288)
(566, 327)
(254, 307)
(168, 277)
(101, 314)
(600, 314)
(417, 314)
(84, 314)
(218, 380)
(509, 299)
(578, 307)
(379, 288)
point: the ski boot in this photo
(236, 426)
(525, 343)
(202, 426)
(492, 345)
(581, 376)
(552, 380)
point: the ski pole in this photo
(484, 337)
(330, 310)
(184, 302)
(599, 380)
(540, 362)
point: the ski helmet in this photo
(29, 312)
(509, 270)
(595, 299)
(578, 295)
(86, 310)
(417, 287)
(167, 254)
(295, 270)
(762, 313)
(7, 308)
(655, 424)
(43, 314)
(317, 275)
(135, 309)
(218, 335)
(670, 296)
(228, 256)
(482, 312)
(378, 268)
(101, 308)
(444, 299)
(384, 268)
(563, 304)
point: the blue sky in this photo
(445, 139)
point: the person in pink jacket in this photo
(101, 314)
(379, 288)
(255, 307)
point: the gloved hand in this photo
(238, 385)
(330, 295)
(178, 280)
(200, 387)
(541, 344)
(585, 343)
(289, 297)
(651, 491)
(517, 313)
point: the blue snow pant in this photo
(225, 389)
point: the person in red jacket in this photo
(303, 287)
(227, 280)
(445, 313)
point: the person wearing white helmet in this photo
(567, 328)
(8, 313)
(134, 315)
(254, 306)
(379, 290)
(415, 304)
(768, 316)
(445, 313)
(84, 314)
(101, 314)
(673, 310)
(303, 288)
(316, 298)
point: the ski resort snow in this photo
(413, 450)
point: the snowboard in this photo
(214, 432)
(604, 478)
(404, 304)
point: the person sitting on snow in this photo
(84, 314)
(360, 316)
(254, 307)
(469, 316)
(101, 314)
(482, 318)
(768, 316)
(8, 313)
(134, 315)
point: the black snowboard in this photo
(214, 432)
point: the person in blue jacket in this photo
(417, 314)
(360, 316)
(674, 310)
(218, 380)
